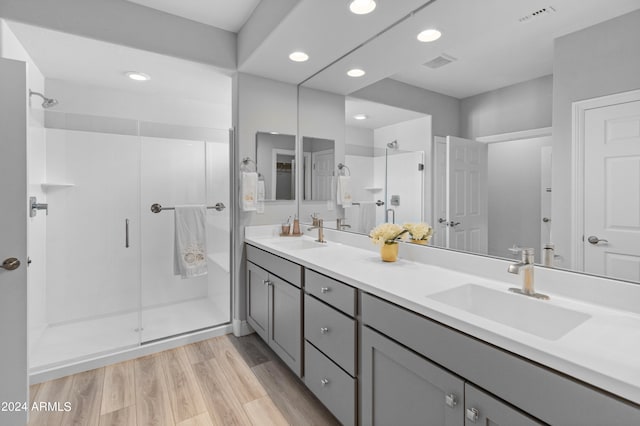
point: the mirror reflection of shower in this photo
(46, 102)
(393, 145)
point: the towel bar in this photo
(157, 208)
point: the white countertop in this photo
(603, 351)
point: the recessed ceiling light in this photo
(429, 35)
(137, 76)
(360, 116)
(362, 7)
(356, 72)
(298, 56)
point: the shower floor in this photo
(70, 342)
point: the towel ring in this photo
(245, 165)
(341, 170)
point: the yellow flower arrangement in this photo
(419, 231)
(387, 233)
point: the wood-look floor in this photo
(221, 381)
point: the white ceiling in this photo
(493, 48)
(229, 15)
(90, 62)
(325, 30)
(379, 115)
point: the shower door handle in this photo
(126, 233)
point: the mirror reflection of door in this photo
(283, 174)
(467, 209)
(275, 163)
(319, 166)
(611, 230)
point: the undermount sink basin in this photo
(291, 243)
(521, 312)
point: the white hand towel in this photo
(367, 216)
(352, 216)
(249, 191)
(260, 204)
(190, 248)
(344, 191)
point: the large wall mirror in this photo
(513, 98)
(276, 165)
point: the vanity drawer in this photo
(335, 388)
(332, 332)
(288, 271)
(335, 293)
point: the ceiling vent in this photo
(440, 61)
(545, 11)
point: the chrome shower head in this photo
(393, 145)
(46, 102)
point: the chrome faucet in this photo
(525, 268)
(340, 225)
(320, 228)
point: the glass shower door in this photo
(183, 172)
(92, 252)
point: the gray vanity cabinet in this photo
(330, 332)
(274, 304)
(400, 387)
(258, 299)
(483, 409)
(509, 383)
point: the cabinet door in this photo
(258, 300)
(400, 387)
(285, 336)
(483, 409)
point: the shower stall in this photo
(108, 284)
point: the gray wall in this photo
(515, 195)
(444, 109)
(129, 24)
(259, 104)
(596, 61)
(521, 106)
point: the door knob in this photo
(595, 240)
(10, 264)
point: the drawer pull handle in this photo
(451, 400)
(324, 382)
(324, 330)
(472, 414)
(266, 282)
(324, 290)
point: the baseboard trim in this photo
(241, 328)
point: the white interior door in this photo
(322, 174)
(440, 231)
(13, 238)
(467, 195)
(612, 190)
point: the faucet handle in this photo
(528, 255)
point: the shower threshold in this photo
(74, 342)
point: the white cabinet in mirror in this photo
(509, 136)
